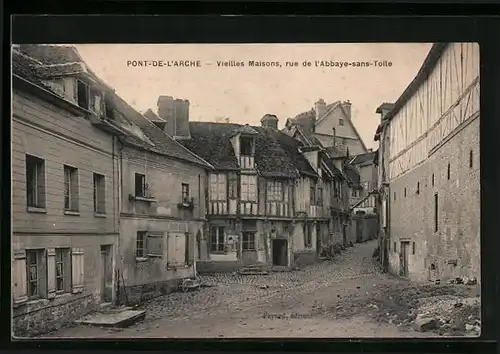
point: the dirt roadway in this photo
(302, 308)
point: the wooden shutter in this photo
(77, 264)
(191, 245)
(19, 281)
(51, 273)
(154, 244)
(175, 248)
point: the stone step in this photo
(118, 319)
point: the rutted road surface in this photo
(287, 304)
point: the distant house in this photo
(329, 124)
(429, 179)
(364, 199)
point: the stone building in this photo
(64, 189)
(429, 158)
(330, 124)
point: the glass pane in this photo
(33, 273)
(60, 284)
(59, 270)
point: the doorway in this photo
(249, 250)
(319, 238)
(280, 252)
(107, 273)
(405, 247)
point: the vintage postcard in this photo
(245, 190)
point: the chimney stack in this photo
(270, 121)
(176, 114)
(347, 108)
(320, 108)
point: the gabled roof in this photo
(24, 67)
(386, 105)
(276, 153)
(303, 120)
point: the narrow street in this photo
(302, 303)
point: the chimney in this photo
(347, 108)
(270, 121)
(175, 112)
(320, 108)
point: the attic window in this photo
(95, 102)
(246, 146)
(341, 121)
(82, 92)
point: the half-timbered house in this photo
(431, 140)
(267, 199)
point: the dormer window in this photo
(89, 98)
(246, 146)
(341, 121)
(82, 92)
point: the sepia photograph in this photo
(314, 190)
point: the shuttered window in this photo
(59, 277)
(249, 188)
(176, 249)
(19, 277)
(77, 270)
(154, 243)
(218, 187)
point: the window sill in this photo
(37, 210)
(144, 199)
(141, 259)
(99, 215)
(218, 252)
(73, 213)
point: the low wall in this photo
(301, 258)
(42, 316)
(138, 293)
(206, 267)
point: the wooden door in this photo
(107, 273)
(248, 248)
(405, 246)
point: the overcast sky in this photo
(245, 94)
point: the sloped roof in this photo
(48, 71)
(152, 116)
(363, 158)
(51, 54)
(24, 67)
(352, 174)
(163, 143)
(276, 153)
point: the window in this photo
(248, 243)
(418, 187)
(320, 195)
(405, 192)
(63, 270)
(233, 185)
(249, 188)
(354, 193)
(413, 248)
(432, 180)
(35, 182)
(246, 148)
(96, 102)
(99, 194)
(394, 196)
(471, 157)
(82, 92)
(448, 172)
(336, 188)
(436, 213)
(275, 191)
(141, 244)
(217, 239)
(218, 186)
(312, 195)
(307, 235)
(394, 246)
(341, 121)
(35, 274)
(185, 192)
(140, 185)
(70, 188)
